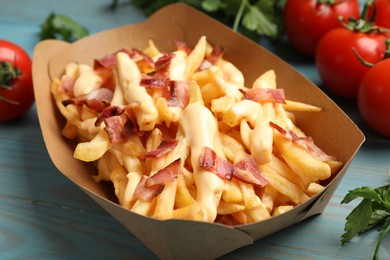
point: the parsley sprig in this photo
(252, 18)
(372, 211)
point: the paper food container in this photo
(332, 130)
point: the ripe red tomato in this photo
(16, 88)
(306, 21)
(382, 15)
(374, 97)
(338, 65)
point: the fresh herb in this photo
(372, 211)
(252, 18)
(62, 27)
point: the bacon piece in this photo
(165, 146)
(177, 94)
(114, 111)
(97, 99)
(247, 171)
(66, 85)
(306, 143)
(182, 46)
(209, 161)
(159, 78)
(168, 174)
(216, 54)
(144, 62)
(147, 193)
(118, 126)
(109, 61)
(265, 94)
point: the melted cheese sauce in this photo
(200, 129)
(129, 79)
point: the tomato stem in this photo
(328, 2)
(8, 73)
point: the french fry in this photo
(213, 90)
(195, 58)
(300, 161)
(299, 106)
(165, 201)
(93, 150)
(314, 188)
(282, 209)
(232, 192)
(206, 76)
(191, 212)
(225, 208)
(183, 195)
(258, 213)
(284, 186)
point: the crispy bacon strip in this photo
(168, 174)
(177, 94)
(147, 193)
(182, 46)
(165, 146)
(66, 84)
(265, 94)
(150, 187)
(216, 54)
(247, 171)
(159, 78)
(209, 161)
(109, 61)
(306, 143)
(97, 99)
(118, 126)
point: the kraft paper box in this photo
(331, 129)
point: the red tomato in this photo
(16, 88)
(382, 15)
(374, 97)
(337, 64)
(306, 21)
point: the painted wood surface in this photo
(45, 216)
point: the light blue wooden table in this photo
(45, 216)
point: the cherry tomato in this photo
(306, 21)
(374, 97)
(337, 63)
(382, 15)
(16, 88)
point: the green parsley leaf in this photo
(62, 27)
(372, 211)
(249, 17)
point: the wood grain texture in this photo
(43, 215)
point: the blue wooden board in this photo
(43, 215)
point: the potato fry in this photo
(299, 106)
(225, 208)
(93, 150)
(284, 186)
(282, 209)
(183, 195)
(300, 161)
(191, 212)
(195, 58)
